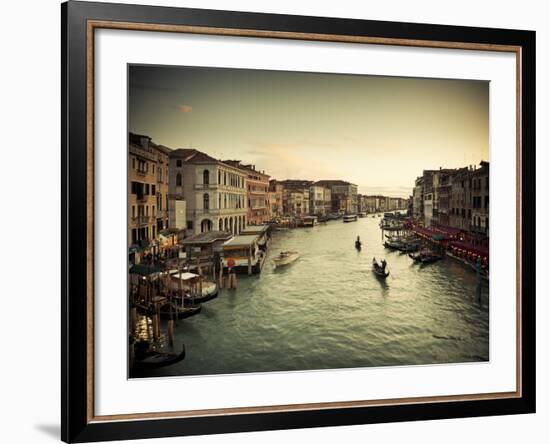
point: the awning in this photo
(483, 252)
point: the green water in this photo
(328, 310)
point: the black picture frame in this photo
(76, 423)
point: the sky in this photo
(377, 132)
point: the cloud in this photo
(185, 108)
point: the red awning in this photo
(484, 252)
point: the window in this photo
(486, 202)
(147, 189)
(153, 189)
(189, 224)
(206, 201)
(178, 163)
(206, 177)
(133, 211)
(134, 163)
(153, 168)
(178, 180)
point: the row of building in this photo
(188, 190)
(457, 198)
(376, 204)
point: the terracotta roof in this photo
(191, 155)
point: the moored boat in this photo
(203, 289)
(285, 258)
(149, 359)
(170, 310)
(425, 257)
(350, 218)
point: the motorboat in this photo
(285, 258)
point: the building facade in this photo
(319, 197)
(461, 206)
(418, 198)
(480, 199)
(458, 198)
(275, 196)
(147, 190)
(211, 193)
(444, 207)
(343, 195)
(296, 197)
(257, 193)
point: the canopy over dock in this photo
(207, 238)
(254, 229)
(240, 242)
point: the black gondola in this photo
(173, 313)
(425, 258)
(150, 359)
(380, 270)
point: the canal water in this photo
(328, 310)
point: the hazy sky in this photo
(377, 132)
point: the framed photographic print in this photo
(276, 221)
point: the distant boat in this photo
(358, 244)
(285, 258)
(350, 218)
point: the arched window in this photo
(206, 201)
(206, 177)
(178, 180)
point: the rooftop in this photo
(207, 238)
(240, 241)
(254, 229)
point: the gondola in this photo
(150, 359)
(379, 270)
(358, 245)
(175, 313)
(425, 258)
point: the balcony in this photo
(141, 220)
(217, 211)
(204, 186)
